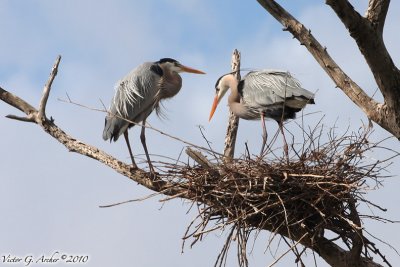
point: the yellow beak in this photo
(214, 107)
(191, 70)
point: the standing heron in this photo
(138, 94)
(263, 94)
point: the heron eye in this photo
(217, 89)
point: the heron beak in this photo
(191, 70)
(214, 107)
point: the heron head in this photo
(174, 66)
(221, 87)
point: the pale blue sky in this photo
(50, 197)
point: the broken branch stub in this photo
(233, 121)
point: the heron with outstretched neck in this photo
(263, 94)
(138, 94)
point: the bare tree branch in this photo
(370, 41)
(17, 103)
(233, 121)
(357, 238)
(46, 91)
(300, 32)
(19, 118)
(387, 115)
(199, 158)
(376, 13)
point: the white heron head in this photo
(221, 87)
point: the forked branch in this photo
(367, 32)
(371, 45)
(376, 13)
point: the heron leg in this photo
(264, 135)
(129, 148)
(143, 140)
(285, 145)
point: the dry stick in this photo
(208, 142)
(199, 158)
(18, 118)
(129, 201)
(233, 124)
(287, 251)
(20, 104)
(16, 102)
(41, 116)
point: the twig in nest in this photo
(316, 191)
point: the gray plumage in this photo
(263, 94)
(138, 94)
(276, 94)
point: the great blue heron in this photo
(138, 94)
(263, 94)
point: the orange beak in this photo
(191, 70)
(214, 107)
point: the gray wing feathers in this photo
(136, 91)
(268, 87)
(114, 127)
(134, 100)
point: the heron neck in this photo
(232, 83)
(171, 83)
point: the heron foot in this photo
(153, 173)
(133, 167)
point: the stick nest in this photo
(317, 189)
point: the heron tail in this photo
(113, 128)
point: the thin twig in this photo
(287, 251)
